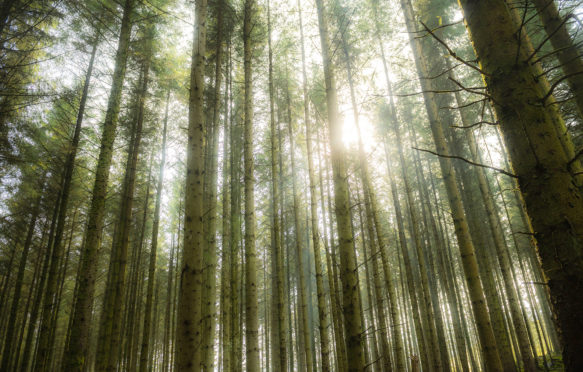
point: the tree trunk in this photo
(235, 242)
(77, 353)
(304, 328)
(567, 52)
(322, 310)
(331, 270)
(411, 285)
(279, 326)
(500, 244)
(110, 335)
(189, 332)
(348, 265)
(486, 335)
(9, 339)
(226, 290)
(210, 255)
(251, 302)
(144, 361)
(553, 200)
(28, 353)
(56, 247)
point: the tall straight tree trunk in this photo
(9, 338)
(330, 268)
(469, 262)
(303, 291)
(189, 332)
(49, 306)
(377, 274)
(28, 352)
(322, 309)
(552, 197)
(251, 302)
(110, 335)
(57, 356)
(373, 218)
(77, 353)
(523, 261)
(285, 244)
(31, 295)
(226, 290)
(411, 288)
(373, 329)
(6, 279)
(138, 278)
(235, 242)
(502, 252)
(279, 327)
(488, 265)
(447, 280)
(348, 265)
(427, 308)
(166, 359)
(144, 352)
(457, 289)
(210, 259)
(566, 51)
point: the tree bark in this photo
(528, 124)
(189, 331)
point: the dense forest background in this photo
(299, 185)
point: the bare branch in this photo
(548, 37)
(464, 105)
(451, 52)
(556, 83)
(473, 125)
(574, 158)
(468, 161)
(471, 90)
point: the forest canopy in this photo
(291, 185)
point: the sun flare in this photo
(350, 131)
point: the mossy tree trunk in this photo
(528, 123)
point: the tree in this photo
(189, 334)
(537, 154)
(76, 354)
(350, 289)
(251, 307)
